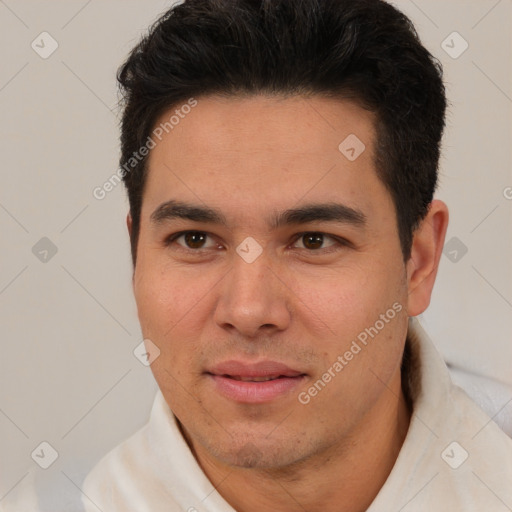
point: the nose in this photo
(253, 299)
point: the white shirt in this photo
(454, 457)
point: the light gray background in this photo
(69, 325)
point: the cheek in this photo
(174, 305)
(169, 310)
(348, 300)
(165, 295)
(360, 361)
(364, 320)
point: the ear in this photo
(426, 250)
(129, 223)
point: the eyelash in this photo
(340, 242)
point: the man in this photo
(280, 160)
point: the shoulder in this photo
(124, 480)
(471, 460)
(454, 457)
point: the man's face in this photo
(219, 309)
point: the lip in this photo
(285, 379)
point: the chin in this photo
(265, 453)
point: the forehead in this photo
(249, 152)
(269, 123)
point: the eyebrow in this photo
(324, 212)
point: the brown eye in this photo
(313, 241)
(194, 240)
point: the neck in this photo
(346, 478)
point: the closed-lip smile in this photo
(260, 382)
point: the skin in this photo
(295, 304)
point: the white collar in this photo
(442, 413)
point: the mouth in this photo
(261, 382)
(254, 379)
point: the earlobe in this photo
(426, 250)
